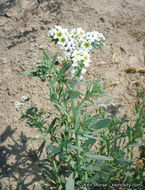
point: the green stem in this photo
(131, 152)
(67, 86)
(58, 180)
(77, 141)
(82, 102)
(141, 173)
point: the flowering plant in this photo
(76, 46)
(84, 149)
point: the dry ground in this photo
(23, 35)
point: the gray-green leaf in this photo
(52, 149)
(70, 182)
(102, 158)
(74, 94)
(101, 124)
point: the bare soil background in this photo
(23, 34)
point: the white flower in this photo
(86, 56)
(97, 34)
(66, 33)
(89, 34)
(77, 58)
(58, 35)
(79, 52)
(51, 32)
(59, 28)
(86, 63)
(24, 98)
(102, 36)
(18, 105)
(76, 33)
(103, 105)
(73, 32)
(76, 53)
(76, 46)
(81, 77)
(60, 60)
(73, 71)
(75, 64)
(62, 40)
(83, 71)
(69, 47)
(80, 31)
(86, 45)
(67, 57)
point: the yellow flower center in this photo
(59, 34)
(85, 57)
(86, 44)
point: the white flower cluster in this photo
(20, 104)
(76, 45)
(24, 98)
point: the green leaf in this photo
(32, 139)
(43, 187)
(123, 162)
(107, 168)
(75, 82)
(103, 101)
(97, 88)
(46, 56)
(62, 108)
(54, 59)
(101, 124)
(93, 168)
(52, 149)
(98, 102)
(52, 82)
(72, 147)
(89, 85)
(30, 74)
(48, 175)
(65, 68)
(136, 108)
(70, 182)
(100, 167)
(63, 179)
(19, 184)
(74, 94)
(58, 127)
(102, 158)
(90, 120)
(96, 95)
(92, 137)
(90, 141)
(47, 166)
(52, 125)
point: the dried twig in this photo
(114, 83)
(114, 55)
(137, 83)
(130, 69)
(133, 69)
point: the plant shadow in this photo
(16, 161)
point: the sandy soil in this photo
(23, 34)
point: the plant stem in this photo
(58, 180)
(77, 141)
